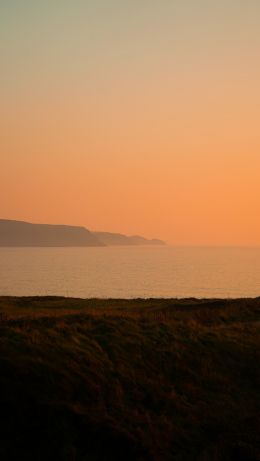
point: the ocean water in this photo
(131, 272)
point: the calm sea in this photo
(125, 272)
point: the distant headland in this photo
(25, 234)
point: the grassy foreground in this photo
(153, 380)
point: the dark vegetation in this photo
(129, 380)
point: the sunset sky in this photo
(140, 117)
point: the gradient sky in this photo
(140, 116)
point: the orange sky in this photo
(141, 119)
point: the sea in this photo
(131, 272)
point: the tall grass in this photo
(129, 380)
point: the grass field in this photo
(153, 380)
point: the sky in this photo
(140, 117)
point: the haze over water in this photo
(123, 272)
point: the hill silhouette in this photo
(114, 239)
(19, 233)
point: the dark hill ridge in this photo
(24, 234)
(19, 233)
